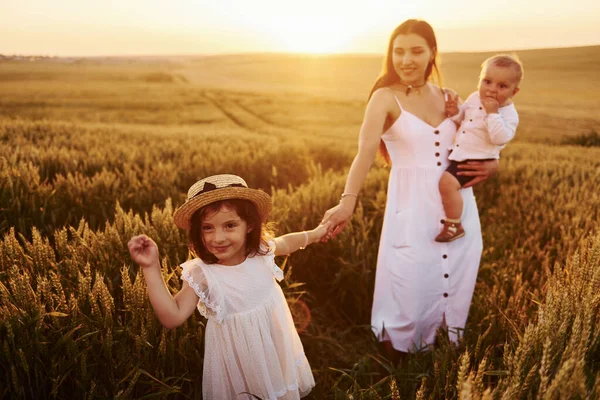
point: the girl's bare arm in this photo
(291, 242)
(171, 311)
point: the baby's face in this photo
(498, 83)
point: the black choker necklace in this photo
(410, 88)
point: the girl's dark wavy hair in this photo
(388, 75)
(256, 240)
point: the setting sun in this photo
(323, 36)
(302, 42)
(152, 27)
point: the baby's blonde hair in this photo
(505, 60)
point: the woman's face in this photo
(411, 55)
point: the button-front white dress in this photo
(251, 343)
(419, 282)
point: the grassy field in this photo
(96, 151)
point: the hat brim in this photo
(183, 215)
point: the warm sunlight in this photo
(312, 42)
(309, 34)
(152, 27)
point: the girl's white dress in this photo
(251, 343)
(420, 283)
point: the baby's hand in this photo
(320, 231)
(143, 251)
(451, 104)
(491, 105)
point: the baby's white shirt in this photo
(482, 135)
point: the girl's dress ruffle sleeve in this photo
(270, 261)
(210, 303)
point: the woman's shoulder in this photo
(389, 92)
(384, 97)
(383, 91)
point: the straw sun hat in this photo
(215, 188)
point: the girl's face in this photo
(411, 56)
(224, 236)
(498, 83)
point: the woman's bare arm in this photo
(368, 143)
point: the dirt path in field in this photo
(244, 117)
(250, 120)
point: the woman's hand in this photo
(338, 216)
(481, 170)
(143, 251)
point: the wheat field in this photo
(94, 151)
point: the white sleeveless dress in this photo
(251, 343)
(419, 282)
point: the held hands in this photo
(491, 105)
(320, 231)
(338, 217)
(143, 251)
(451, 107)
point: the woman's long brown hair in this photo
(388, 75)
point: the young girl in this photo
(251, 345)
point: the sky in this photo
(181, 27)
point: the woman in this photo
(420, 284)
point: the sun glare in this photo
(312, 35)
(312, 42)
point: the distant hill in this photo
(564, 80)
(351, 76)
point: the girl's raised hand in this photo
(143, 251)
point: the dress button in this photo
(442, 221)
(445, 294)
(446, 275)
(470, 120)
(445, 256)
(436, 132)
(439, 163)
(457, 145)
(437, 143)
(481, 108)
(463, 131)
(437, 154)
